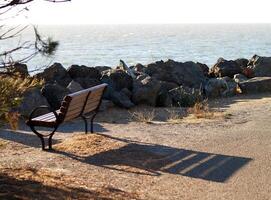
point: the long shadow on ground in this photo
(156, 159)
(26, 137)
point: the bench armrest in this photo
(39, 108)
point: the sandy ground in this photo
(224, 158)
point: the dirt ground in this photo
(227, 157)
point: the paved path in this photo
(223, 159)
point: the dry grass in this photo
(30, 183)
(87, 145)
(175, 116)
(198, 113)
(3, 144)
(144, 115)
(201, 110)
(13, 119)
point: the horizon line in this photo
(185, 23)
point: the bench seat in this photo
(46, 120)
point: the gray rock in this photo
(87, 82)
(184, 96)
(74, 87)
(166, 86)
(118, 79)
(54, 94)
(19, 68)
(225, 68)
(102, 69)
(106, 105)
(204, 68)
(164, 99)
(31, 99)
(188, 74)
(239, 78)
(76, 71)
(231, 87)
(220, 87)
(260, 66)
(139, 67)
(55, 73)
(120, 99)
(127, 92)
(256, 85)
(242, 62)
(142, 76)
(146, 91)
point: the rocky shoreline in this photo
(159, 84)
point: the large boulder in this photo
(106, 105)
(101, 69)
(204, 68)
(116, 80)
(74, 87)
(139, 67)
(86, 76)
(146, 91)
(225, 68)
(242, 62)
(184, 96)
(220, 87)
(260, 66)
(232, 87)
(54, 94)
(164, 99)
(55, 73)
(87, 82)
(256, 85)
(19, 68)
(121, 99)
(189, 73)
(76, 71)
(31, 99)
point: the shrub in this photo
(11, 91)
(143, 116)
(201, 110)
(185, 96)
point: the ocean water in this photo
(104, 45)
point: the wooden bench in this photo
(84, 104)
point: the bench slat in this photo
(46, 117)
(79, 100)
(78, 106)
(91, 107)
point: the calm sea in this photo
(104, 45)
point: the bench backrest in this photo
(81, 102)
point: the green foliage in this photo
(11, 91)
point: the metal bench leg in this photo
(43, 136)
(86, 124)
(50, 139)
(91, 122)
(42, 142)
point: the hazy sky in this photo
(149, 11)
